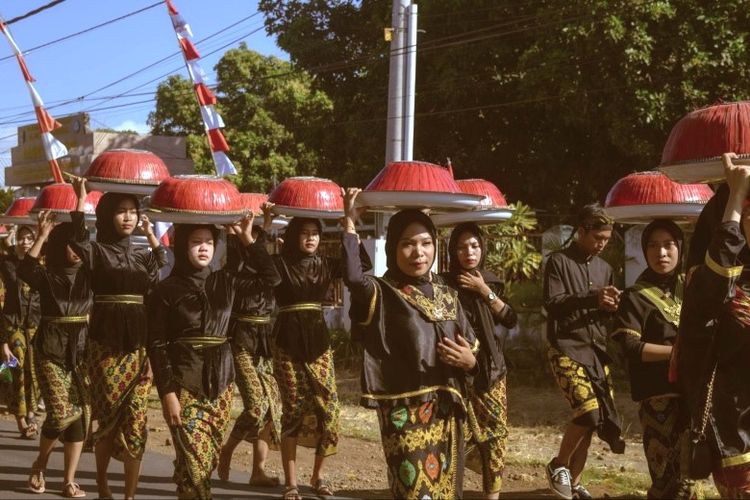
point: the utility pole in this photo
(410, 80)
(394, 134)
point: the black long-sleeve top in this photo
(575, 324)
(304, 334)
(185, 307)
(21, 306)
(485, 323)
(400, 326)
(254, 337)
(117, 269)
(62, 295)
(715, 328)
(640, 321)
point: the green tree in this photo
(275, 121)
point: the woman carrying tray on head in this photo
(479, 292)
(66, 299)
(189, 318)
(646, 326)
(20, 319)
(418, 350)
(122, 275)
(713, 344)
(250, 330)
(303, 359)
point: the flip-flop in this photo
(322, 488)
(36, 480)
(291, 493)
(73, 490)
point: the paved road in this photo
(16, 456)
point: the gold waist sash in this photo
(66, 319)
(258, 320)
(302, 306)
(118, 299)
(199, 343)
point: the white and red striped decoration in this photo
(211, 119)
(53, 149)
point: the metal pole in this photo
(394, 134)
(410, 79)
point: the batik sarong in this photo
(198, 440)
(666, 432)
(24, 397)
(422, 445)
(259, 390)
(487, 434)
(66, 395)
(310, 402)
(119, 398)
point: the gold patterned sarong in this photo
(198, 440)
(310, 402)
(260, 396)
(119, 398)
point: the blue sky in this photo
(81, 65)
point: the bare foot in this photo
(262, 480)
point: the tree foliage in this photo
(275, 121)
(552, 100)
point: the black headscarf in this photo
(668, 280)
(291, 250)
(182, 266)
(56, 247)
(105, 213)
(396, 227)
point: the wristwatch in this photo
(491, 297)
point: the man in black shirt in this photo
(579, 297)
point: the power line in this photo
(34, 12)
(87, 30)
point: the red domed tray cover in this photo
(695, 145)
(199, 199)
(133, 171)
(493, 197)
(643, 196)
(61, 199)
(416, 184)
(493, 209)
(253, 203)
(18, 211)
(308, 197)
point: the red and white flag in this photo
(206, 99)
(53, 149)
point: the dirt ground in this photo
(536, 415)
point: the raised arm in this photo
(29, 269)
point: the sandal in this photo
(322, 488)
(291, 493)
(265, 481)
(30, 432)
(73, 490)
(36, 480)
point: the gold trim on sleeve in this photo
(726, 272)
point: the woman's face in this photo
(469, 251)
(415, 250)
(72, 257)
(24, 241)
(662, 252)
(126, 217)
(309, 238)
(200, 248)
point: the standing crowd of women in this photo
(92, 327)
